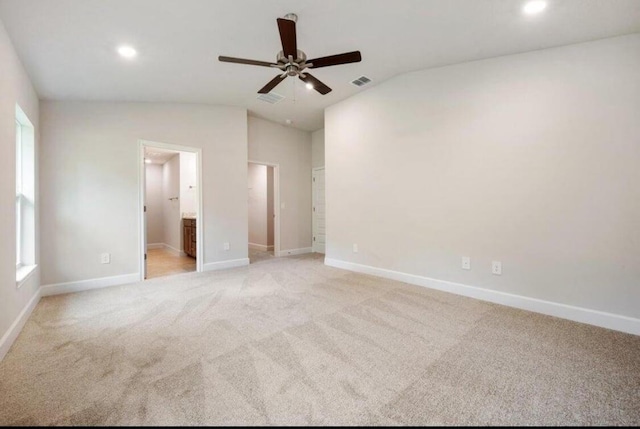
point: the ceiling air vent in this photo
(271, 98)
(361, 81)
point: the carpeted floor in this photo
(291, 341)
(260, 255)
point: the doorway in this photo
(170, 195)
(319, 221)
(263, 197)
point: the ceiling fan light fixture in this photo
(309, 86)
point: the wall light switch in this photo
(226, 246)
(466, 263)
(105, 258)
(496, 268)
(355, 248)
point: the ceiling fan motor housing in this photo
(292, 68)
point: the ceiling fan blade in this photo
(244, 61)
(317, 85)
(272, 84)
(334, 60)
(287, 29)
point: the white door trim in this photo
(141, 196)
(276, 203)
(313, 215)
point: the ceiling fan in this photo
(292, 61)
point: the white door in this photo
(319, 211)
(143, 190)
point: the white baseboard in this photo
(79, 286)
(291, 252)
(16, 327)
(256, 246)
(577, 314)
(173, 250)
(223, 265)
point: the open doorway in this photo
(264, 231)
(170, 209)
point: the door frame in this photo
(313, 213)
(142, 227)
(276, 203)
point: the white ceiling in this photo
(157, 155)
(68, 46)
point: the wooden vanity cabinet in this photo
(189, 237)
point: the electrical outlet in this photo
(496, 268)
(355, 248)
(466, 263)
(105, 258)
(226, 246)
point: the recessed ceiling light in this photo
(289, 121)
(309, 86)
(534, 7)
(148, 161)
(127, 52)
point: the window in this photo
(25, 197)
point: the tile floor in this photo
(162, 262)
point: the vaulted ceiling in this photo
(68, 46)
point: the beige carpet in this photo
(290, 341)
(260, 255)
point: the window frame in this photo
(26, 204)
(19, 225)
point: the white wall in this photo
(530, 159)
(291, 149)
(257, 183)
(15, 87)
(90, 184)
(317, 148)
(154, 203)
(172, 220)
(188, 182)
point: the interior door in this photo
(319, 211)
(144, 216)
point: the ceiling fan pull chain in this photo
(293, 82)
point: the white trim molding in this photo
(16, 327)
(174, 250)
(314, 226)
(82, 285)
(256, 246)
(276, 202)
(169, 248)
(142, 144)
(292, 252)
(223, 265)
(616, 322)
